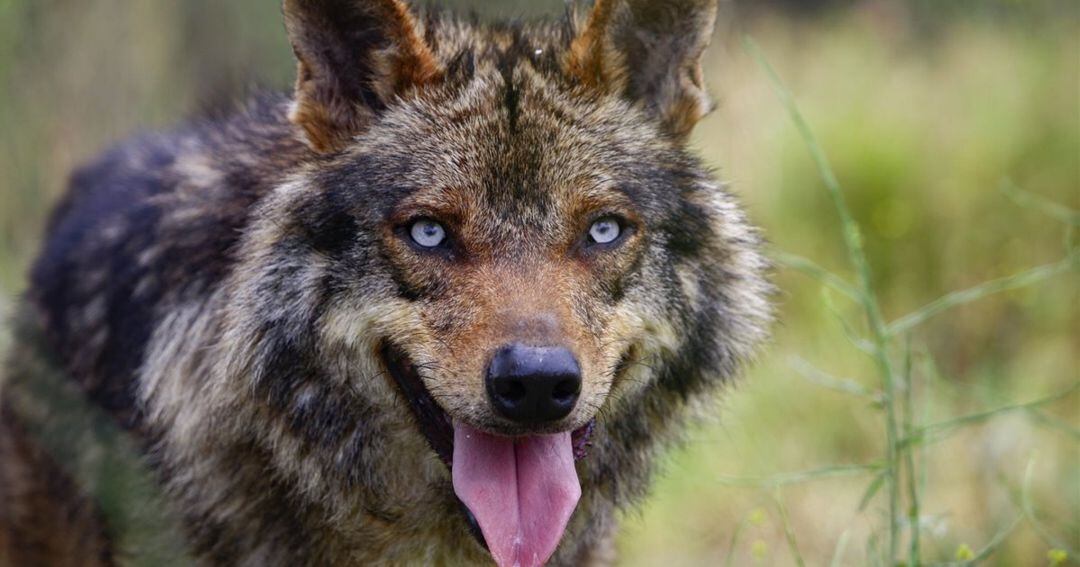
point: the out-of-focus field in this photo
(924, 112)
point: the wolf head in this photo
(499, 252)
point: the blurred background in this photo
(925, 109)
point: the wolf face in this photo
(482, 287)
(506, 223)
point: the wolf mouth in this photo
(434, 422)
(438, 428)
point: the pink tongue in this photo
(522, 491)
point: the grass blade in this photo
(857, 257)
(789, 533)
(849, 332)
(735, 540)
(932, 431)
(956, 298)
(995, 542)
(821, 378)
(798, 477)
(1032, 201)
(841, 548)
(808, 267)
(1049, 421)
(1028, 510)
(872, 489)
(910, 471)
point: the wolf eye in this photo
(604, 230)
(427, 233)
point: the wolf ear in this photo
(354, 57)
(649, 51)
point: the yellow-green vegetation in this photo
(918, 175)
(920, 403)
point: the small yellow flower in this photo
(964, 553)
(757, 517)
(1057, 557)
(759, 549)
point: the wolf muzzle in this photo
(533, 385)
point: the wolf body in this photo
(249, 298)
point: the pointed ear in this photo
(650, 51)
(354, 57)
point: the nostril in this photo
(510, 390)
(566, 390)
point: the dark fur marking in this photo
(462, 68)
(331, 230)
(118, 194)
(507, 63)
(101, 198)
(685, 229)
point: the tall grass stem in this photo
(857, 257)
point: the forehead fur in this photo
(512, 132)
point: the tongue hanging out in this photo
(522, 491)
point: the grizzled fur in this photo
(229, 292)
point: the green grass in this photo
(909, 425)
(903, 435)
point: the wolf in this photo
(445, 303)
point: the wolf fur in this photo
(227, 292)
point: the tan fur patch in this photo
(590, 57)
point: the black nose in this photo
(533, 384)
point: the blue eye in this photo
(604, 230)
(427, 233)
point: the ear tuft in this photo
(354, 57)
(593, 59)
(650, 52)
